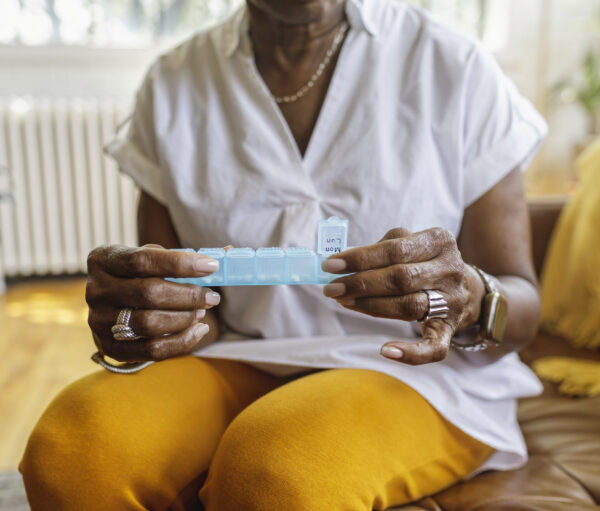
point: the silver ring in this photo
(437, 307)
(121, 330)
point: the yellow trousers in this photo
(190, 431)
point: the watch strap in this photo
(488, 281)
(493, 310)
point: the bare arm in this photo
(495, 236)
(155, 227)
(389, 276)
(154, 224)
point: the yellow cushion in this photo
(570, 284)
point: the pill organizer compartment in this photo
(270, 265)
(301, 265)
(323, 277)
(240, 266)
(218, 277)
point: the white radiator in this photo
(67, 197)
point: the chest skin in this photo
(301, 115)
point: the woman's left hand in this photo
(389, 279)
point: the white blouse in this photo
(417, 124)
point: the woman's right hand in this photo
(167, 315)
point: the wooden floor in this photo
(44, 345)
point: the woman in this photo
(248, 134)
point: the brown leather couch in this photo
(562, 434)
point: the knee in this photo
(64, 459)
(44, 468)
(258, 466)
(47, 464)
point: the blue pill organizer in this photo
(275, 265)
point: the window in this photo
(105, 23)
(139, 23)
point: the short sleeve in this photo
(502, 130)
(135, 150)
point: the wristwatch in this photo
(492, 322)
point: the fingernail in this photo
(392, 352)
(212, 298)
(200, 313)
(201, 329)
(333, 290)
(334, 265)
(205, 264)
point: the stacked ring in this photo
(121, 330)
(437, 307)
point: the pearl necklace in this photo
(317, 74)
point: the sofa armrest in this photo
(543, 216)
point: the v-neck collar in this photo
(235, 41)
(305, 160)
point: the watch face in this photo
(494, 317)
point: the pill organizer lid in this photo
(332, 236)
(270, 252)
(240, 252)
(215, 253)
(299, 252)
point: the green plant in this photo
(588, 94)
(587, 91)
